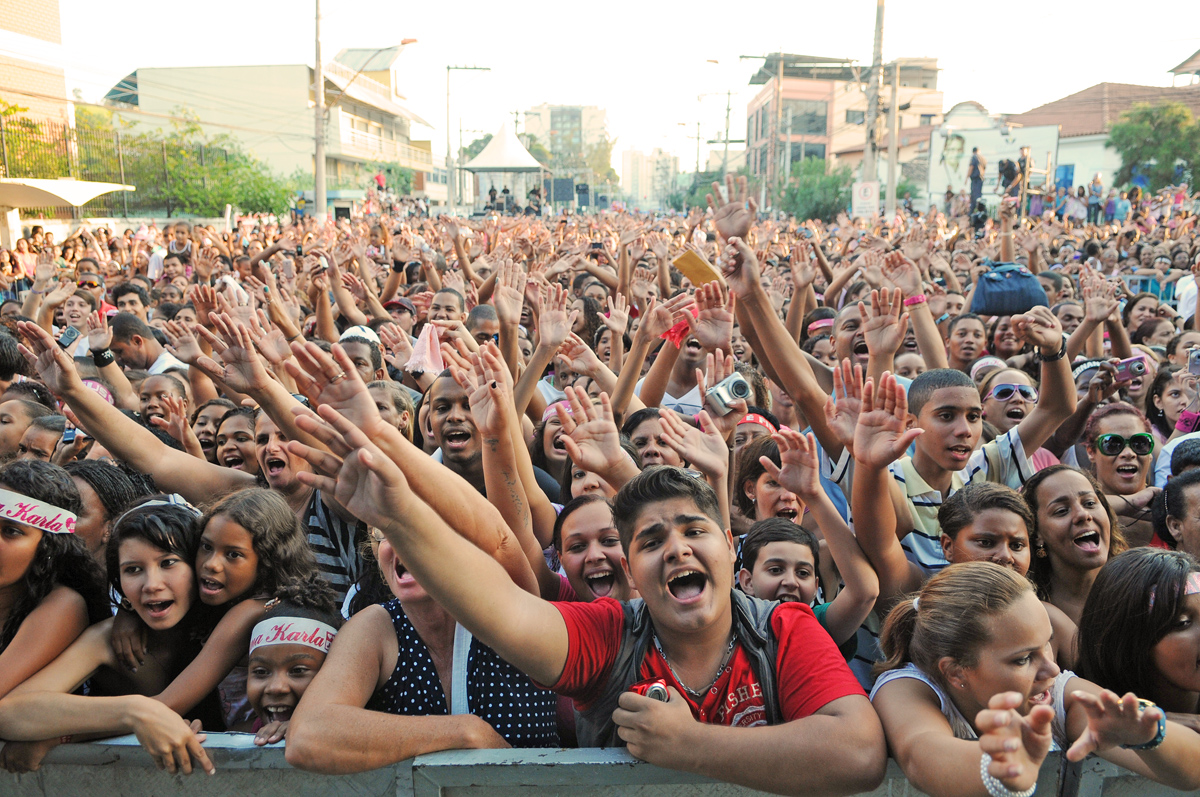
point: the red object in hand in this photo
(654, 688)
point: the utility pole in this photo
(787, 161)
(696, 181)
(725, 154)
(319, 127)
(451, 172)
(869, 151)
(893, 141)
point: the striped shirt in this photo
(335, 544)
(1002, 461)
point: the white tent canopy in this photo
(504, 153)
(31, 193)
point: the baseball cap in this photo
(361, 331)
(401, 302)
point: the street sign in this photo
(865, 201)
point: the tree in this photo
(474, 148)
(1160, 142)
(813, 194)
(599, 160)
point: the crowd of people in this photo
(756, 498)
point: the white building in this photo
(567, 130)
(366, 122)
(648, 179)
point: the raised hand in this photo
(844, 406)
(578, 356)
(182, 343)
(555, 323)
(355, 472)
(618, 314)
(268, 339)
(508, 296)
(239, 365)
(885, 324)
(902, 273)
(332, 379)
(804, 270)
(1039, 327)
(719, 365)
(739, 266)
(99, 335)
(704, 449)
(1017, 744)
(1112, 721)
(204, 299)
(590, 435)
(801, 469)
(713, 324)
(53, 365)
(176, 422)
(489, 397)
(396, 346)
(734, 218)
(882, 435)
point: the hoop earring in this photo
(126, 605)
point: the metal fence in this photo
(50, 150)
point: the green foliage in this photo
(599, 159)
(693, 195)
(474, 148)
(813, 194)
(538, 150)
(1157, 140)
(399, 179)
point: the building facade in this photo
(648, 179)
(31, 59)
(567, 131)
(819, 106)
(366, 122)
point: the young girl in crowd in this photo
(1121, 449)
(1138, 632)
(205, 422)
(590, 552)
(50, 586)
(969, 666)
(234, 441)
(288, 645)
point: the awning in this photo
(31, 193)
(504, 153)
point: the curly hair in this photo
(60, 559)
(279, 542)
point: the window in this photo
(855, 117)
(926, 119)
(808, 116)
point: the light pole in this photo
(450, 159)
(870, 150)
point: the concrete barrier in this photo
(121, 767)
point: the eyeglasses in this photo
(88, 284)
(1110, 445)
(1005, 392)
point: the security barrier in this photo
(121, 767)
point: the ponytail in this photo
(897, 634)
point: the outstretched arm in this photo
(173, 470)
(525, 630)
(1057, 397)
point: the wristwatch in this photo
(1062, 352)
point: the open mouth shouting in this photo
(1015, 413)
(1128, 472)
(1088, 541)
(276, 713)
(158, 610)
(860, 349)
(601, 581)
(234, 460)
(687, 586)
(275, 465)
(788, 513)
(456, 439)
(210, 587)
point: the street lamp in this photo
(450, 169)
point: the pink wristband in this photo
(1187, 422)
(920, 298)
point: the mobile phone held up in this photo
(69, 336)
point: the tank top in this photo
(496, 691)
(958, 723)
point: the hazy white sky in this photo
(645, 61)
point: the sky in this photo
(647, 62)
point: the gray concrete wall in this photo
(121, 767)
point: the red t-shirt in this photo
(809, 670)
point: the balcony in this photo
(359, 145)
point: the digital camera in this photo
(655, 689)
(723, 394)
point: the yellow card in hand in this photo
(698, 270)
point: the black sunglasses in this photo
(1110, 445)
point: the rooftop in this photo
(1095, 109)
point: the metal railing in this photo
(362, 83)
(359, 144)
(121, 767)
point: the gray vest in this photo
(751, 626)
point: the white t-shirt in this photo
(165, 362)
(1185, 296)
(1162, 466)
(687, 404)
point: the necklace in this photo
(698, 696)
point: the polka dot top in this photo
(497, 692)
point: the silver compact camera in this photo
(723, 394)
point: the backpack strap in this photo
(595, 727)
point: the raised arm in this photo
(1056, 396)
(173, 470)
(525, 630)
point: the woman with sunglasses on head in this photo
(1121, 448)
(1009, 395)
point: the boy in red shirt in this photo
(758, 694)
